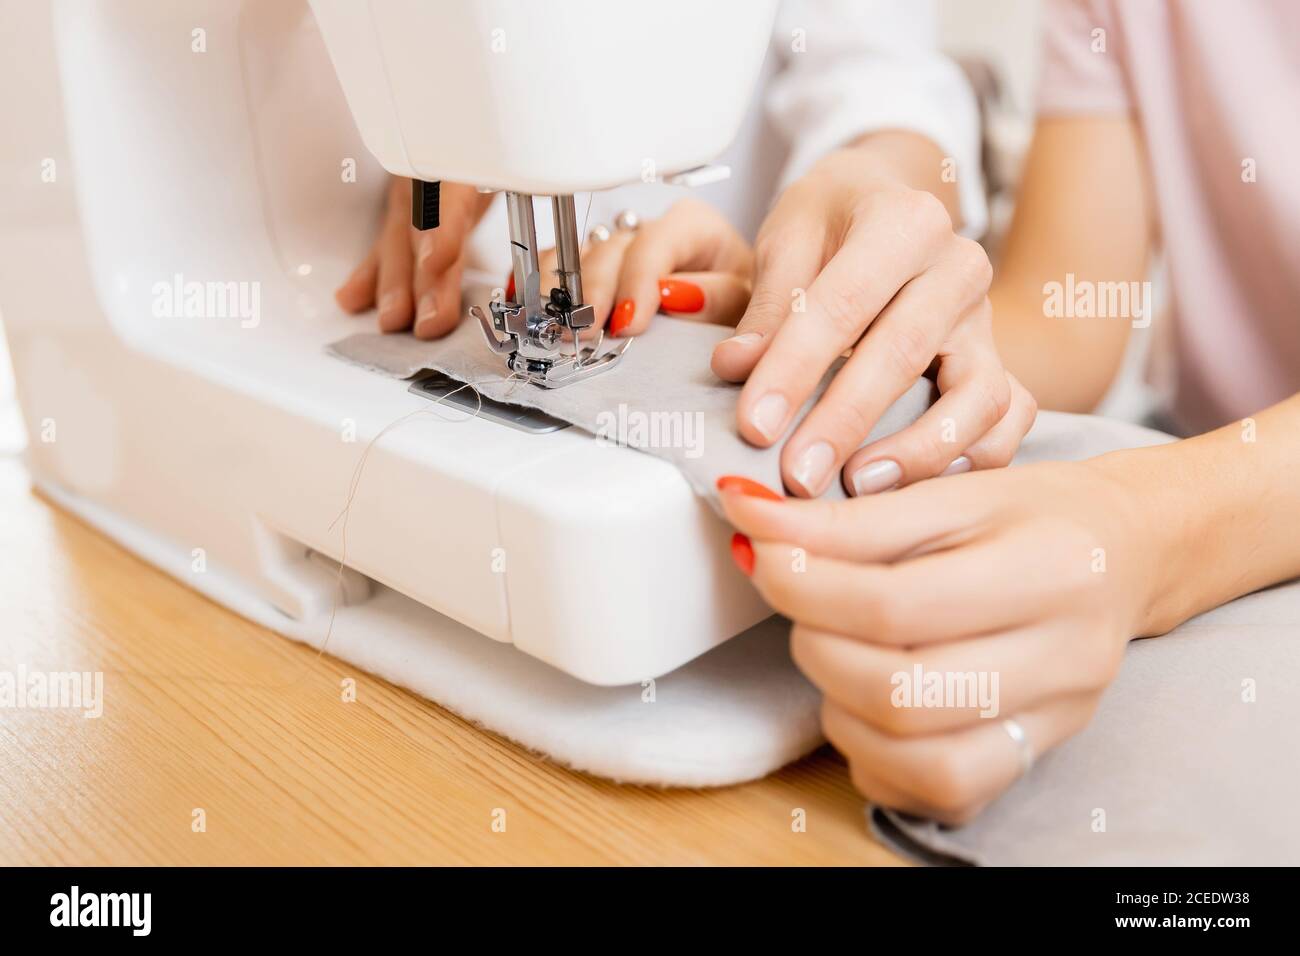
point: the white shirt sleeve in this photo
(849, 67)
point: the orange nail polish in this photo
(742, 552)
(747, 486)
(678, 295)
(510, 288)
(622, 316)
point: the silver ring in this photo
(598, 233)
(627, 220)
(1024, 749)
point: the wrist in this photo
(907, 159)
(1177, 508)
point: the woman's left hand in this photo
(1030, 580)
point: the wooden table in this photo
(288, 776)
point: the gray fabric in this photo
(1185, 771)
(664, 378)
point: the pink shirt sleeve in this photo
(1081, 71)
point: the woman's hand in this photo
(689, 263)
(1025, 584)
(415, 276)
(851, 258)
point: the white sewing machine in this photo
(186, 406)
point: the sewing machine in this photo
(171, 365)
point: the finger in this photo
(430, 246)
(836, 727)
(896, 350)
(943, 596)
(786, 264)
(843, 300)
(975, 396)
(357, 293)
(444, 313)
(601, 263)
(951, 777)
(437, 251)
(999, 445)
(944, 687)
(923, 518)
(864, 780)
(395, 266)
(718, 298)
(689, 237)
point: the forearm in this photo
(1222, 512)
(1083, 223)
(914, 161)
(1067, 364)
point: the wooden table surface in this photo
(289, 777)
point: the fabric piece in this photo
(1213, 85)
(662, 398)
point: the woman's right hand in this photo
(415, 276)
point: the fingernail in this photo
(747, 486)
(745, 338)
(678, 295)
(769, 415)
(959, 465)
(388, 303)
(622, 316)
(877, 476)
(742, 552)
(812, 468)
(510, 288)
(428, 311)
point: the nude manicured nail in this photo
(744, 338)
(747, 486)
(813, 467)
(959, 465)
(427, 313)
(388, 303)
(742, 552)
(769, 414)
(876, 477)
